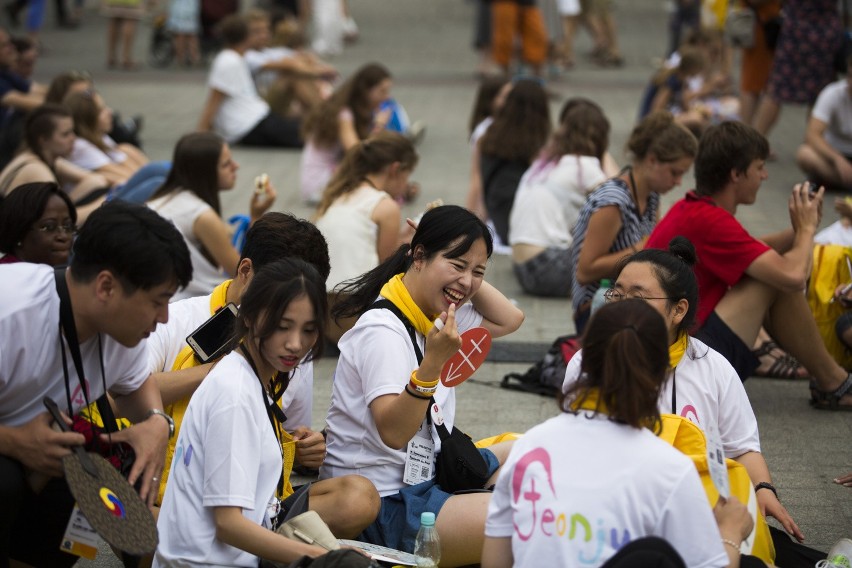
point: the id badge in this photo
(419, 458)
(80, 538)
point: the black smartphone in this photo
(812, 188)
(212, 338)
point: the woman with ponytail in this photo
(382, 389)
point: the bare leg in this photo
(112, 41)
(767, 114)
(817, 167)
(347, 504)
(748, 105)
(461, 528)
(180, 48)
(128, 34)
(569, 28)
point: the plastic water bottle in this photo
(427, 548)
(598, 300)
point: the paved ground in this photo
(427, 47)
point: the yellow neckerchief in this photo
(186, 360)
(590, 401)
(395, 291)
(678, 349)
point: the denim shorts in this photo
(399, 517)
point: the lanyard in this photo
(273, 411)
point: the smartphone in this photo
(812, 188)
(213, 337)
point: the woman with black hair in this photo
(382, 391)
(596, 479)
(37, 224)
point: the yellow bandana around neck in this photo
(677, 349)
(395, 291)
(590, 401)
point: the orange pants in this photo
(509, 19)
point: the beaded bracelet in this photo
(418, 382)
(731, 543)
(766, 485)
(415, 395)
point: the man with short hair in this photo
(745, 282)
(126, 264)
(826, 154)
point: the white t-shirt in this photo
(169, 339)
(227, 456)
(351, 233)
(707, 389)
(30, 359)
(574, 490)
(376, 359)
(834, 107)
(549, 198)
(256, 59)
(89, 157)
(183, 208)
(242, 108)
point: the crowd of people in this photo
(137, 255)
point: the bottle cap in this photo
(606, 283)
(427, 519)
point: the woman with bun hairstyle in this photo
(382, 391)
(701, 385)
(593, 483)
(620, 214)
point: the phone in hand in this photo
(812, 188)
(213, 337)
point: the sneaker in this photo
(840, 555)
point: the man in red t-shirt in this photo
(744, 282)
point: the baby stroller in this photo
(162, 51)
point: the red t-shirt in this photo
(723, 247)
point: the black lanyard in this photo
(674, 390)
(273, 411)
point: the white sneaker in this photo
(840, 555)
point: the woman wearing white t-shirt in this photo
(359, 214)
(550, 196)
(381, 392)
(595, 479)
(701, 386)
(202, 167)
(220, 502)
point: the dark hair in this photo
(582, 131)
(195, 168)
(233, 29)
(675, 274)
(660, 135)
(139, 247)
(61, 84)
(725, 147)
(85, 109)
(23, 43)
(23, 207)
(369, 156)
(449, 230)
(483, 106)
(279, 235)
(321, 126)
(271, 290)
(521, 126)
(625, 358)
(41, 123)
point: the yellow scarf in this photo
(590, 401)
(395, 291)
(677, 349)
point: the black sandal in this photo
(782, 367)
(822, 400)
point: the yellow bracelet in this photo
(731, 543)
(419, 383)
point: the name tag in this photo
(80, 538)
(420, 457)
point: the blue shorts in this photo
(399, 517)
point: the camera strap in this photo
(68, 329)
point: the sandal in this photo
(783, 366)
(822, 400)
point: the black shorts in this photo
(720, 337)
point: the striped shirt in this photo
(634, 228)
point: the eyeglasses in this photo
(51, 227)
(613, 295)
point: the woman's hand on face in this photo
(441, 344)
(262, 199)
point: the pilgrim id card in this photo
(80, 538)
(716, 460)
(419, 458)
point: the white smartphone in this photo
(213, 337)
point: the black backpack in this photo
(546, 376)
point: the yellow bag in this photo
(829, 271)
(505, 436)
(689, 439)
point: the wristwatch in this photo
(168, 418)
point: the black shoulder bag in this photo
(460, 466)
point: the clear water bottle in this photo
(427, 548)
(598, 300)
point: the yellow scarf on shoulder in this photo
(678, 349)
(591, 400)
(395, 291)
